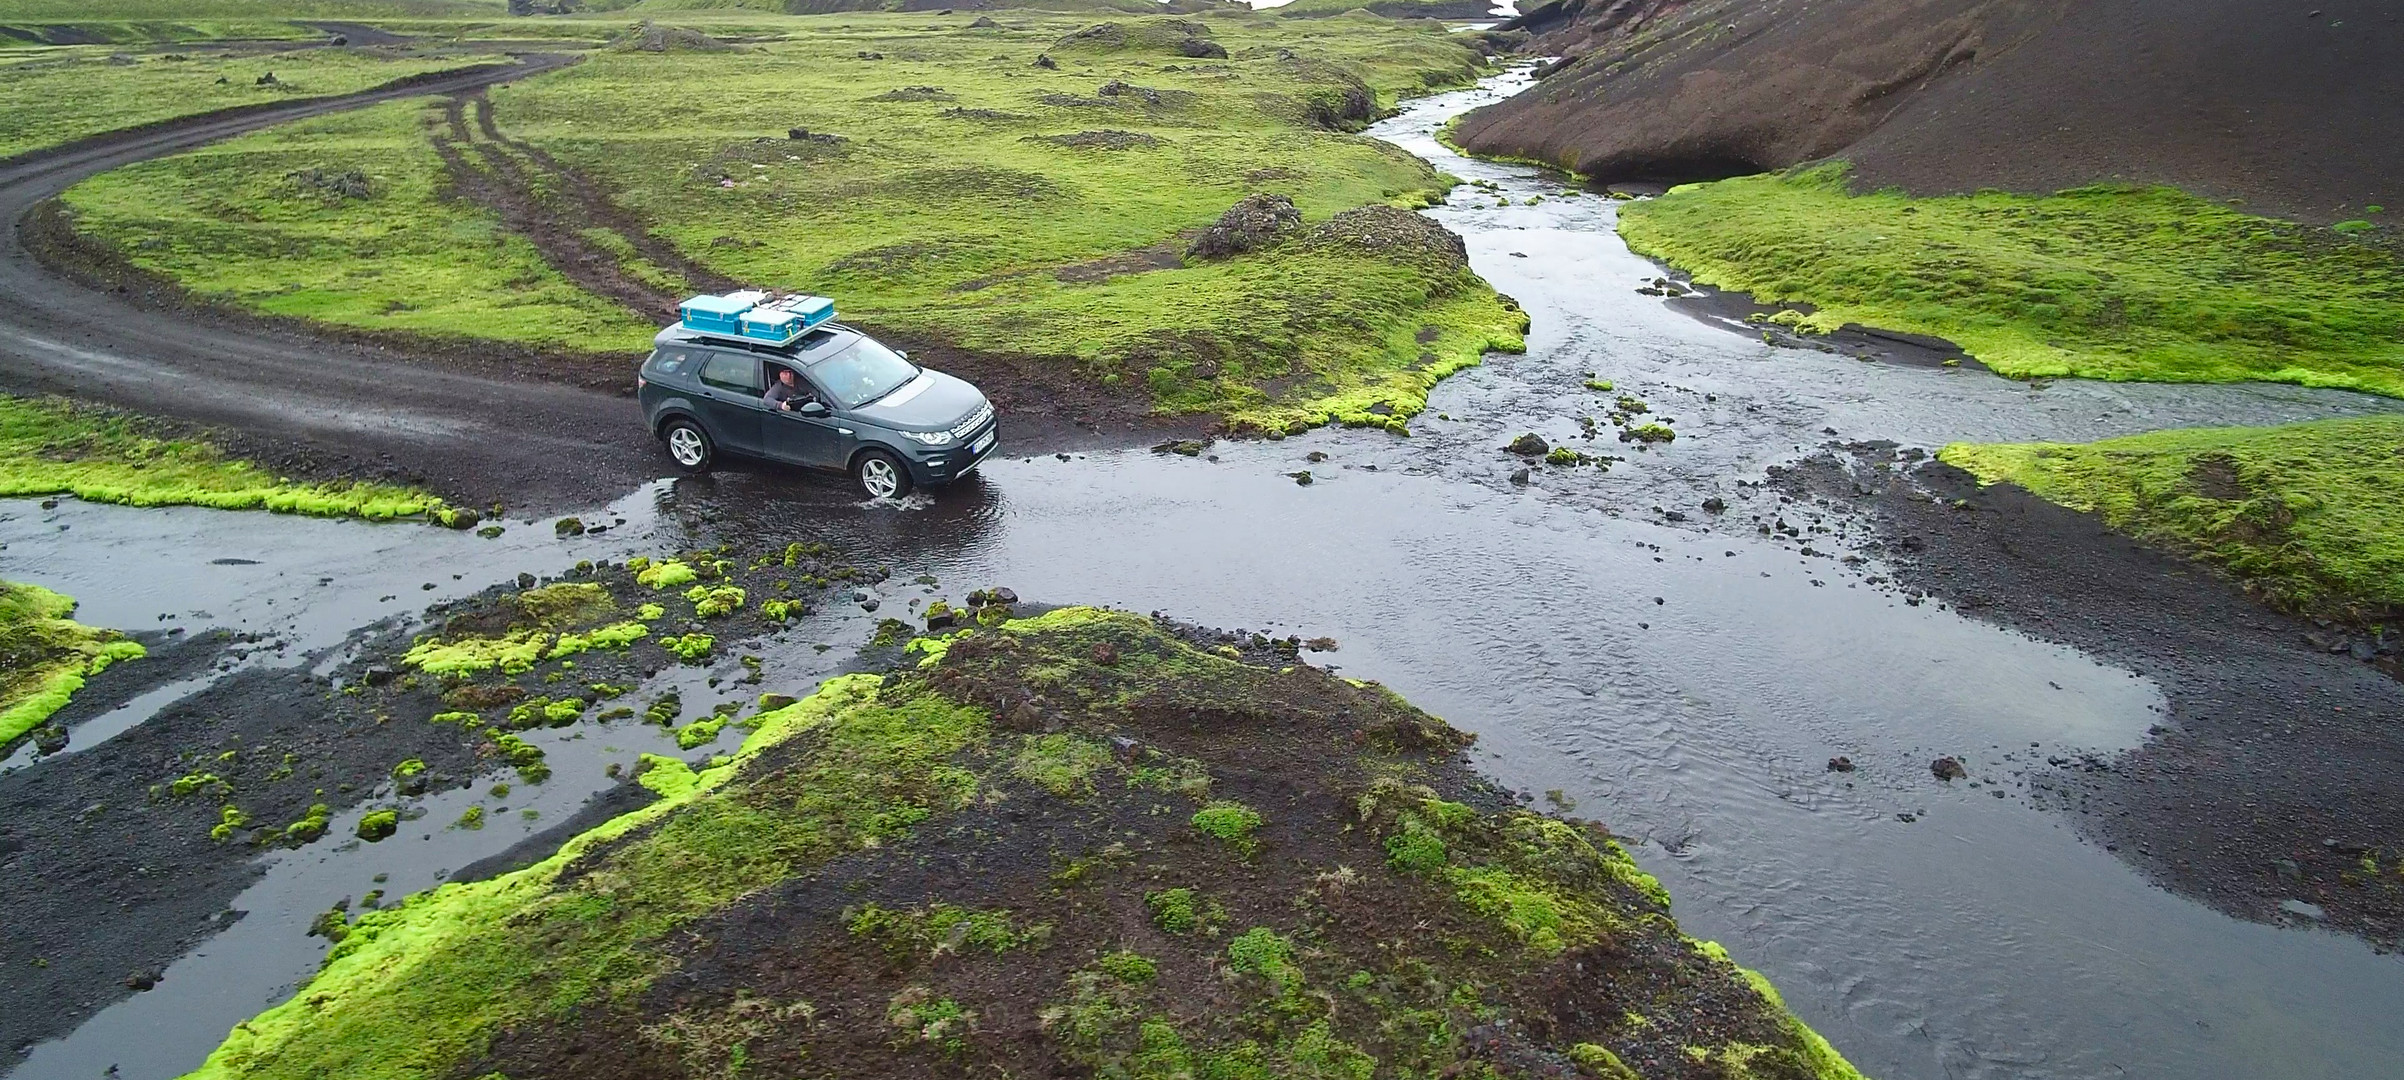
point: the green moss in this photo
(230, 819)
(311, 825)
(1061, 763)
(1184, 910)
(942, 928)
(666, 575)
(1233, 823)
(1128, 967)
(379, 824)
(971, 216)
(2309, 516)
(408, 768)
(521, 755)
(45, 656)
(511, 655)
(50, 447)
(709, 602)
(2108, 283)
(63, 94)
(1648, 433)
(690, 648)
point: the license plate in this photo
(982, 445)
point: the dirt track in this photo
(305, 401)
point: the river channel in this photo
(1681, 677)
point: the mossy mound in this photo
(1164, 36)
(45, 656)
(51, 446)
(1084, 843)
(650, 37)
(2308, 516)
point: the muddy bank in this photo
(2273, 788)
(2278, 106)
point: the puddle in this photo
(1685, 683)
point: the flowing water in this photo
(1682, 681)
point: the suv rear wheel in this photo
(881, 475)
(688, 446)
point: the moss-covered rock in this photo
(889, 880)
(45, 657)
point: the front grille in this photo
(983, 415)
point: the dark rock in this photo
(1201, 49)
(526, 581)
(1715, 505)
(378, 675)
(1257, 221)
(1302, 478)
(142, 980)
(984, 22)
(1045, 61)
(568, 526)
(1520, 477)
(1947, 768)
(1529, 445)
(1840, 764)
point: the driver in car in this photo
(787, 391)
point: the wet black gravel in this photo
(2279, 768)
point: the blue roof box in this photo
(751, 316)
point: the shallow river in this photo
(1682, 681)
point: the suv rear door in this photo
(730, 399)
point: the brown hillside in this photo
(2296, 108)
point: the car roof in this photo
(840, 336)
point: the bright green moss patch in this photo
(2309, 516)
(45, 656)
(59, 95)
(934, 179)
(51, 447)
(2107, 283)
(1060, 763)
(1231, 823)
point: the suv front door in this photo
(819, 442)
(730, 400)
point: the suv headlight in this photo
(931, 438)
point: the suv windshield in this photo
(863, 373)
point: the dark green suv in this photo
(851, 405)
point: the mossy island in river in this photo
(1081, 843)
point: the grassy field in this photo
(45, 656)
(159, 11)
(1255, 891)
(50, 447)
(2309, 516)
(948, 189)
(2144, 284)
(57, 95)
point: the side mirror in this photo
(810, 408)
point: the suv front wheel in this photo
(688, 446)
(881, 475)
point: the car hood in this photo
(931, 401)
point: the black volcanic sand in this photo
(2292, 108)
(2276, 779)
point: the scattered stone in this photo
(1302, 478)
(1529, 445)
(1257, 221)
(142, 980)
(268, 79)
(1715, 505)
(984, 22)
(1840, 763)
(1520, 477)
(1948, 769)
(1045, 61)
(2304, 910)
(568, 526)
(1186, 447)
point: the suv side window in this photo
(733, 371)
(669, 361)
